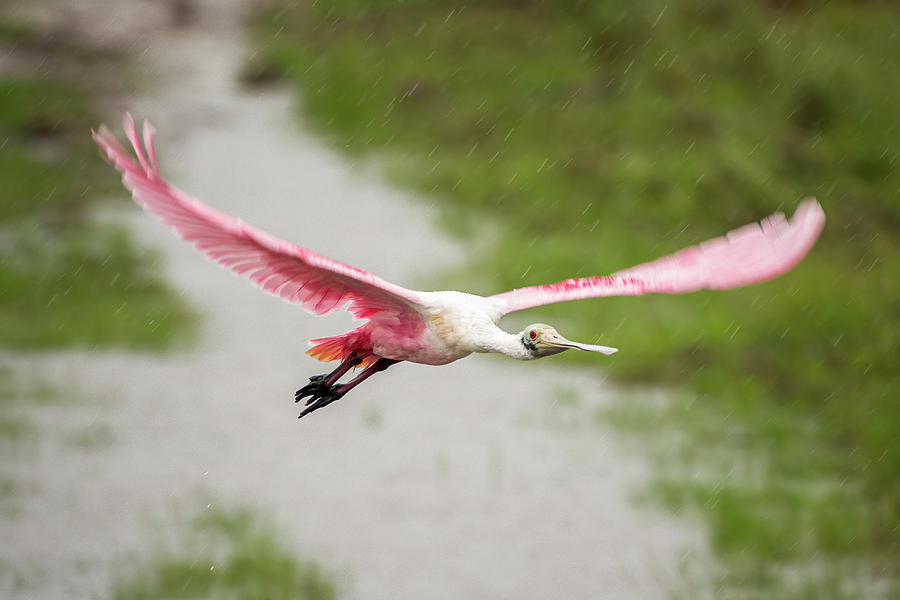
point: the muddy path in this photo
(464, 481)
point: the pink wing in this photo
(295, 274)
(751, 254)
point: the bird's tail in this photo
(339, 347)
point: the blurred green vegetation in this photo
(592, 136)
(64, 280)
(228, 554)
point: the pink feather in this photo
(751, 254)
(318, 284)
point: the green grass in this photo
(778, 516)
(228, 554)
(16, 430)
(592, 136)
(65, 281)
(12, 31)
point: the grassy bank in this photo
(593, 136)
(225, 554)
(64, 280)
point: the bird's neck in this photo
(509, 344)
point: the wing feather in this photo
(752, 254)
(297, 275)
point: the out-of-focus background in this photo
(741, 444)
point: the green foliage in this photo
(231, 555)
(86, 287)
(596, 135)
(781, 512)
(16, 31)
(37, 106)
(63, 280)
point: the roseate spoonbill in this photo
(437, 328)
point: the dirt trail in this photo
(465, 481)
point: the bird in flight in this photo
(436, 328)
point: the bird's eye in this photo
(532, 334)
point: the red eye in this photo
(532, 334)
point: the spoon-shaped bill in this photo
(561, 342)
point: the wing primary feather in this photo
(149, 132)
(131, 133)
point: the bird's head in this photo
(543, 340)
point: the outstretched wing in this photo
(316, 283)
(751, 254)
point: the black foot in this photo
(315, 387)
(323, 398)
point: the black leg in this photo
(336, 392)
(319, 384)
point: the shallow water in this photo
(471, 480)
